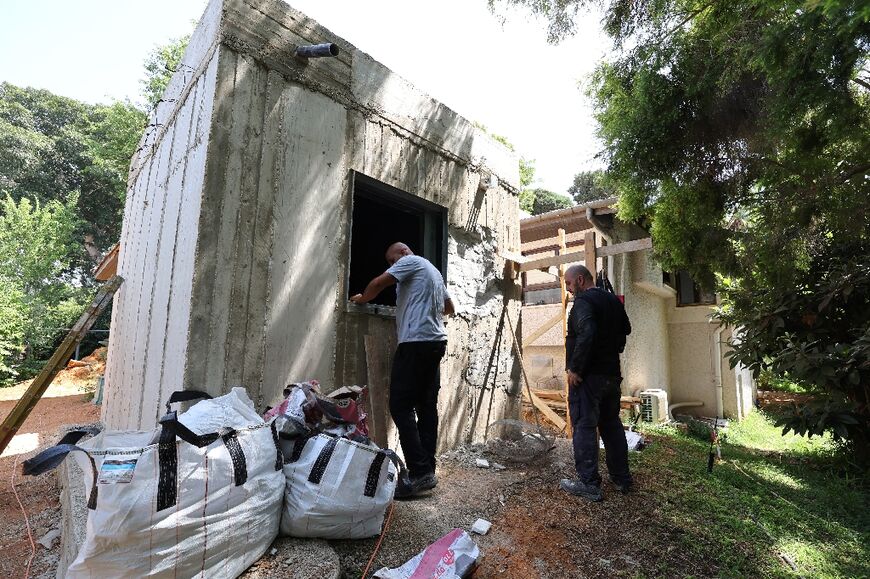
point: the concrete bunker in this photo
(266, 189)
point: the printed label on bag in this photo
(117, 468)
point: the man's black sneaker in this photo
(581, 489)
(622, 486)
(409, 487)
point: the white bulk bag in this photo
(195, 503)
(336, 488)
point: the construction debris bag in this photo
(336, 488)
(198, 496)
(453, 556)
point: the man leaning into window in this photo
(421, 301)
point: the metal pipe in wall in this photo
(317, 50)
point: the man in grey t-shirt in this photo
(421, 301)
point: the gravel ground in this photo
(464, 493)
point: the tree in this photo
(739, 133)
(160, 65)
(527, 171)
(588, 186)
(545, 201)
(38, 300)
(51, 146)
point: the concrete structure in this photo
(674, 345)
(265, 193)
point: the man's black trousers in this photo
(594, 404)
(414, 387)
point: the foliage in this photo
(527, 170)
(817, 330)
(63, 176)
(588, 186)
(767, 380)
(38, 299)
(51, 146)
(160, 65)
(739, 133)
(789, 488)
(545, 201)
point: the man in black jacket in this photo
(597, 327)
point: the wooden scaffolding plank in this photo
(538, 404)
(625, 247)
(545, 262)
(58, 360)
(589, 244)
(545, 327)
(562, 250)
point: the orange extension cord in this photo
(26, 521)
(381, 538)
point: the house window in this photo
(690, 294)
(383, 215)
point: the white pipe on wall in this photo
(717, 371)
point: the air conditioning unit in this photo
(654, 405)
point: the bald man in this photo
(421, 301)
(597, 328)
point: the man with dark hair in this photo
(597, 327)
(421, 300)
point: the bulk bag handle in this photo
(167, 451)
(51, 457)
(323, 458)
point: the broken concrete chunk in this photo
(481, 526)
(482, 463)
(48, 539)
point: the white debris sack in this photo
(453, 556)
(199, 496)
(336, 488)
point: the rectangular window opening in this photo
(383, 215)
(690, 294)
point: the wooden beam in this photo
(548, 412)
(626, 247)
(533, 287)
(512, 256)
(589, 247)
(58, 360)
(549, 395)
(545, 262)
(536, 402)
(562, 249)
(542, 330)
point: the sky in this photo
(499, 72)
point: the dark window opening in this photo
(383, 215)
(690, 294)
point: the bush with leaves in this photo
(40, 296)
(589, 186)
(739, 133)
(817, 331)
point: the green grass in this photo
(770, 495)
(767, 381)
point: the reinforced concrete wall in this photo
(266, 252)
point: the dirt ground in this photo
(63, 403)
(537, 530)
